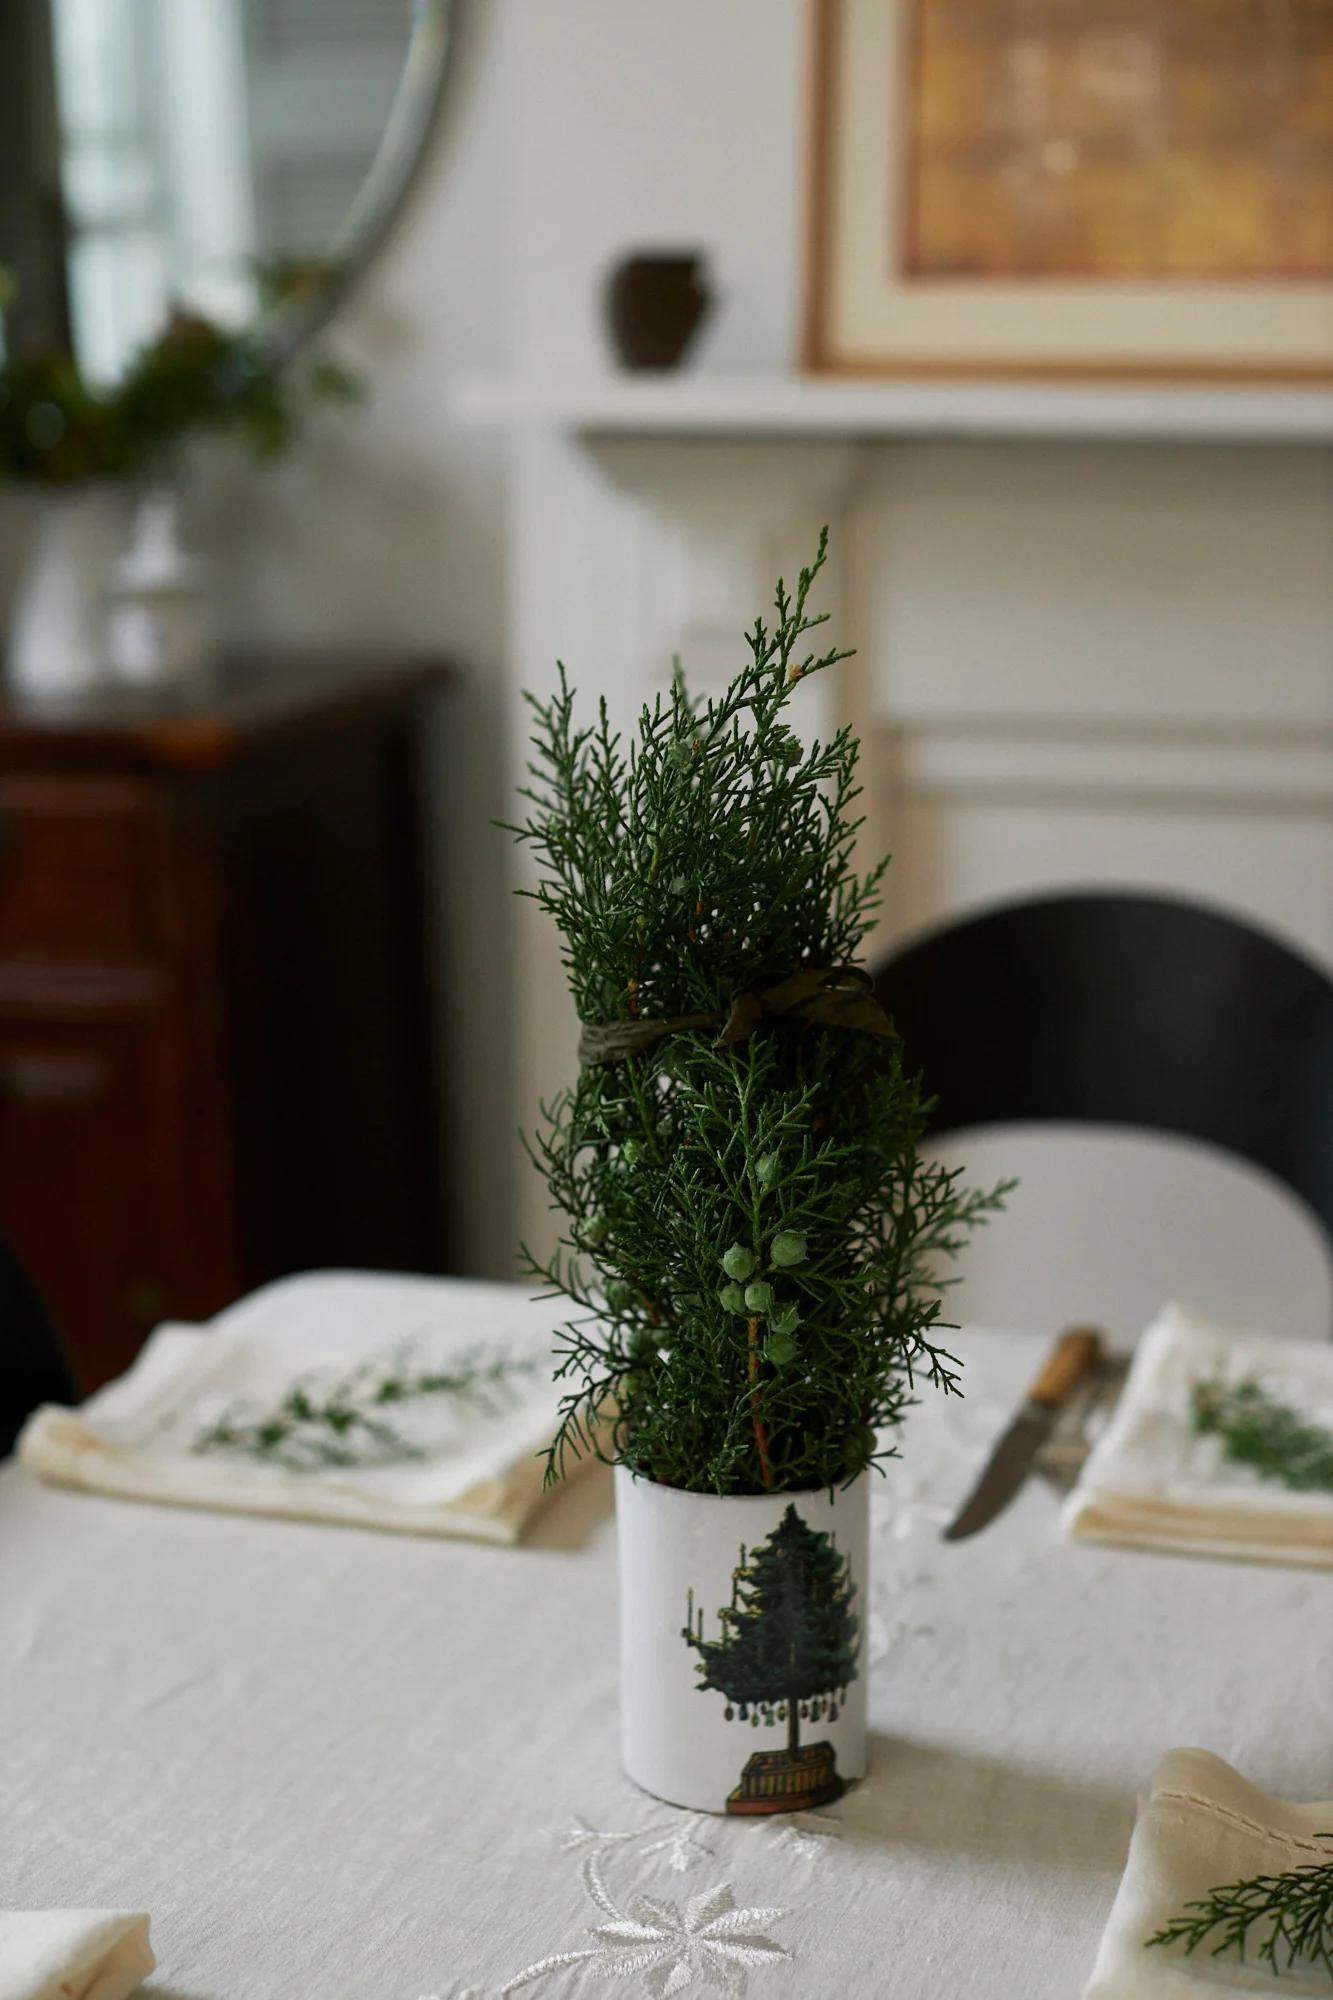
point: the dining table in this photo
(339, 1764)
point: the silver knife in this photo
(1008, 1466)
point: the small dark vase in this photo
(655, 305)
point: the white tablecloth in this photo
(338, 1765)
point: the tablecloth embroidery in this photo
(667, 1945)
(680, 1845)
(660, 1946)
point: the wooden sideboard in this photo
(215, 1057)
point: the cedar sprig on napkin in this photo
(1259, 1431)
(1295, 1910)
(347, 1423)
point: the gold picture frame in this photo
(1083, 197)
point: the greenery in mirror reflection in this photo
(195, 378)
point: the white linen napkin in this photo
(1201, 1826)
(1152, 1481)
(73, 1954)
(476, 1473)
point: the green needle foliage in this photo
(1258, 1431)
(750, 1234)
(1288, 1917)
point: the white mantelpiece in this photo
(1095, 632)
(796, 406)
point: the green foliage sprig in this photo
(1259, 1431)
(347, 1424)
(56, 429)
(1289, 1917)
(750, 1233)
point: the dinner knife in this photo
(1008, 1466)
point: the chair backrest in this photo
(33, 1368)
(1126, 1010)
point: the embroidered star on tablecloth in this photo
(665, 1946)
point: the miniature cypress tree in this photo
(751, 1235)
(789, 1639)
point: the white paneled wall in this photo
(1094, 664)
(1163, 583)
(1105, 664)
(1112, 666)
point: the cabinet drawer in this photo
(89, 1184)
(82, 864)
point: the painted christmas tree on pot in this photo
(751, 1237)
(788, 1651)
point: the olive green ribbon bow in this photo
(830, 996)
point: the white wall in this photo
(1111, 665)
(650, 125)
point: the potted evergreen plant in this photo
(750, 1235)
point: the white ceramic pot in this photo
(742, 1645)
(57, 631)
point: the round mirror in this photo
(239, 159)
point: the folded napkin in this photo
(1201, 1826)
(72, 1954)
(1153, 1481)
(430, 1465)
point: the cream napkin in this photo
(72, 1954)
(476, 1475)
(1202, 1825)
(1152, 1481)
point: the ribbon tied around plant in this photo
(829, 996)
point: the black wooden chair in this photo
(33, 1368)
(1126, 1010)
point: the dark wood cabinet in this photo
(215, 1057)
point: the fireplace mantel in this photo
(737, 406)
(1091, 620)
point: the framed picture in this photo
(1092, 187)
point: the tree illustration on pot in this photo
(787, 1650)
